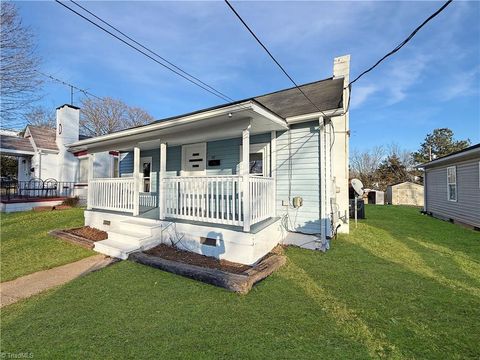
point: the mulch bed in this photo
(89, 233)
(231, 276)
(83, 236)
(170, 253)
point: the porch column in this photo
(245, 168)
(161, 176)
(136, 179)
(89, 183)
(273, 171)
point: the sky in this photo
(433, 82)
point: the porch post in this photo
(136, 179)
(89, 183)
(246, 178)
(162, 174)
(273, 171)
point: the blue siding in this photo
(305, 175)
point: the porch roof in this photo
(212, 124)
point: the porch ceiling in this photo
(223, 123)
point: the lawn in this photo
(402, 285)
(26, 247)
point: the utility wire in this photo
(271, 56)
(143, 52)
(150, 51)
(403, 43)
(85, 92)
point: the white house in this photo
(230, 181)
(43, 154)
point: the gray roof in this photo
(469, 152)
(15, 143)
(325, 94)
(43, 137)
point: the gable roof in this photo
(15, 144)
(326, 94)
(43, 137)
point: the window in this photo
(452, 183)
(145, 168)
(83, 172)
(256, 163)
(115, 167)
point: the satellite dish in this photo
(357, 186)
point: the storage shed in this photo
(405, 193)
(452, 187)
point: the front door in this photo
(194, 159)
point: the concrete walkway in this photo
(26, 286)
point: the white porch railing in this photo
(213, 199)
(218, 199)
(115, 194)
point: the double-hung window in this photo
(452, 183)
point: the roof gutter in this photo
(315, 116)
(449, 158)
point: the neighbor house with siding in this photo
(231, 181)
(452, 187)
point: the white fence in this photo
(115, 194)
(218, 199)
(214, 199)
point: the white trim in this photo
(178, 121)
(452, 184)
(161, 182)
(262, 148)
(16, 152)
(136, 180)
(314, 116)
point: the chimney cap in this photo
(68, 105)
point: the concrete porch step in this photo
(115, 249)
(138, 226)
(128, 236)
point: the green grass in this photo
(26, 247)
(402, 285)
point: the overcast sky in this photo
(432, 82)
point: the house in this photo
(230, 181)
(452, 187)
(405, 193)
(44, 163)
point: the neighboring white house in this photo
(231, 181)
(452, 187)
(43, 154)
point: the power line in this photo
(403, 43)
(149, 50)
(271, 56)
(215, 93)
(85, 92)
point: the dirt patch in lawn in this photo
(89, 233)
(170, 253)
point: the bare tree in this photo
(364, 165)
(100, 117)
(19, 79)
(41, 116)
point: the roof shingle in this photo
(43, 137)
